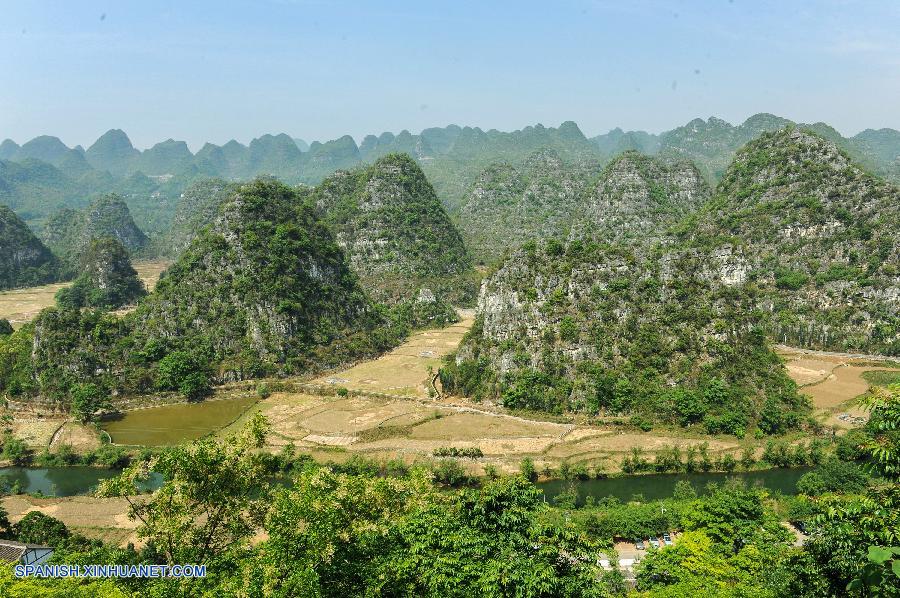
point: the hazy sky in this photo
(216, 70)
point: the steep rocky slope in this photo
(69, 232)
(264, 290)
(815, 236)
(395, 232)
(625, 329)
(798, 244)
(198, 206)
(266, 282)
(508, 206)
(24, 260)
(637, 197)
(106, 279)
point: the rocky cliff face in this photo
(816, 236)
(24, 260)
(638, 197)
(591, 327)
(68, 232)
(265, 288)
(395, 232)
(798, 243)
(508, 206)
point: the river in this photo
(657, 486)
(70, 481)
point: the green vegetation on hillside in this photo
(602, 329)
(24, 260)
(816, 235)
(106, 280)
(508, 205)
(396, 234)
(265, 291)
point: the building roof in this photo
(11, 551)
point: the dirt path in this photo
(405, 370)
(853, 356)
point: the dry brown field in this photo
(22, 305)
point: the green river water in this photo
(173, 424)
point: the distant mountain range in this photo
(44, 175)
(712, 143)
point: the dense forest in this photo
(797, 244)
(361, 528)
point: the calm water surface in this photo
(173, 424)
(657, 486)
(60, 481)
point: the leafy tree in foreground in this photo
(212, 501)
(341, 535)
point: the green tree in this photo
(87, 399)
(37, 528)
(183, 372)
(213, 499)
(527, 469)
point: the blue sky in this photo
(212, 71)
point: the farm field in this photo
(833, 382)
(101, 518)
(22, 305)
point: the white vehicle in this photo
(654, 542)
(667, 539)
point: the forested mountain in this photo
(396, 234)
(24, 260)
(603, 322)
(69, 232)
(591, 327)
(508, 205)
(106, 278)
(816, 237)
(798, 243)
(712, 143)
(43, 175)
(265, 289)
(634, 196)
(265, 286)
(637, 197)
(113, 153)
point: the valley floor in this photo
(22, 305)
(389, 413)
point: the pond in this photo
(173, 424)
(658, 486)
(60, 481)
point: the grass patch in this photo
(403, 431)
(882, 377)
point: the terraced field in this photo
(834, 382)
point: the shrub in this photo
(37, 528)
(450, 473)
(526, 468)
